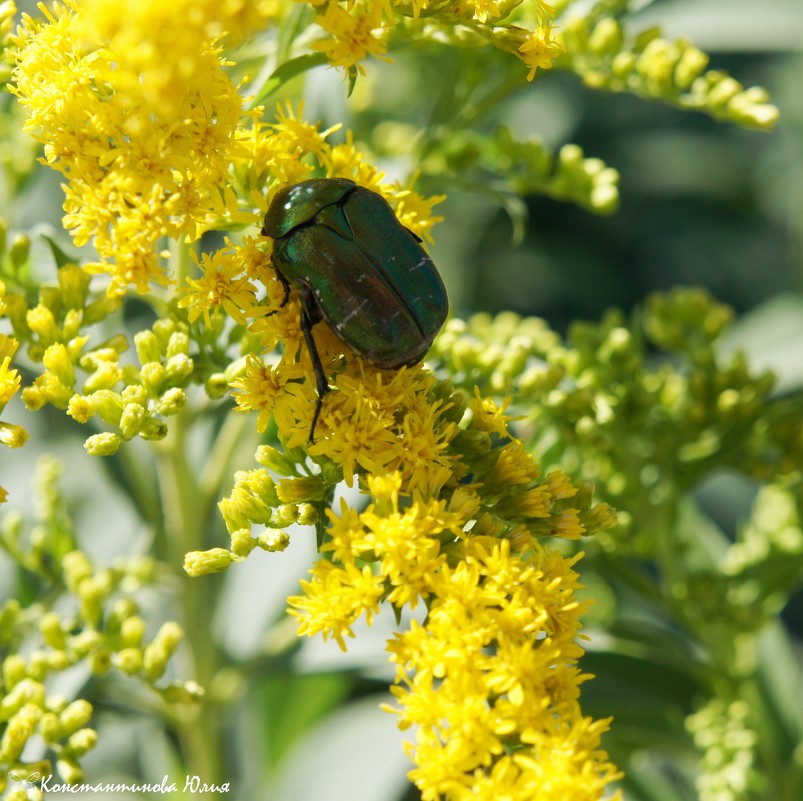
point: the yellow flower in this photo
(222, 286)
(539, 50)
(357, 33)
(490, 679)
(9, 377)
(335, 598)
(259, 388)
(143, 130)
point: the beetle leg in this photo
(311, 314)
(286, 286)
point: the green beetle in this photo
(357, 267)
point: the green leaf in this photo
(287, 71)
(60, 255)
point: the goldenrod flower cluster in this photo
(650, 65)
(458, 508)
(104, 631)
(359, 29)
(145, 151)
(456, 521)
(12, 436)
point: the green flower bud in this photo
(161, 649)
(84, 643)
(12, 436)
(70, 771)
(723, 91)
(690, 66)
(153, 429)
(16, 310)
(76, 568)
(131, 420)
(242, 543)
(90, 595)
(33, 398)
(260, 483)
(75, 716)
(50, 728)
(100, 662)
(216, 386)
(109, 405)
(20, 251)
(274, 460)
(473, 443)
(129, 660)
(57, 661)
(295, 490)
(178, 369)
(72, 325)
(102, 444)
(284, 515)
(172, 402)
(57, 361)
(101, 309)
(56, 703)
(607, 37)
(148, 347)
(307, 514)
(82, 741)
(39, 665)
(25, 692)
(132, 631)
(178, 344)
(18, 730)
(273, 540)
(135, 393)
(164, 329)
(52, 632)
(14, 671)
(41, 322)
(153, 377)
(141, 568)
(106, 376)
(202, 563)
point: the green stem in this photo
(185, 519)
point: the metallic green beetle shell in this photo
(366, 274)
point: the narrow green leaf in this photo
(60, 255)
(287, 71)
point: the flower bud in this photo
(12, 436)
(41, 321)
(153, 375)
(295, 490)
(273, 540)
(102, 444)
(153, 429)
(242, 543)
(202, 563)
(148, 347)
(172, 402)
(75, 716)
(178, 344)
(132, 419)
(82, 741)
